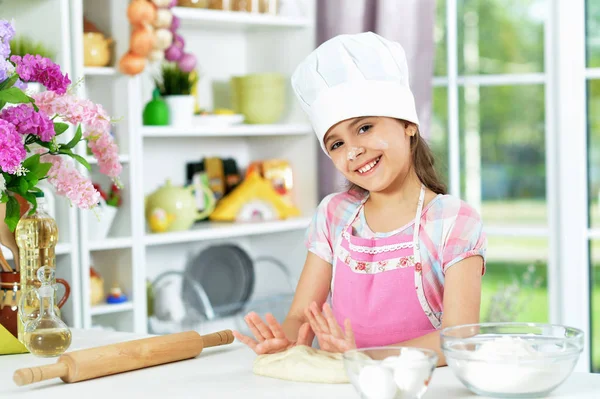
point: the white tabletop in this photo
(224, 372)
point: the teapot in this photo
(174, 208)
(96, 49)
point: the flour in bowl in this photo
(512, 365)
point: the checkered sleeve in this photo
(318, 238)
(466, 237)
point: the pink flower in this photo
(35, 68)
(12, 148)
(27, 121)
(96, 126)
(107, 154)
(70, 183)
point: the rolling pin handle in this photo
(36, 374)
(224, 337)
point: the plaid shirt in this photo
(451, 231)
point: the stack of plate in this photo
(226, 273)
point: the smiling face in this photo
(371, 152)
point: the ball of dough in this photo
(304, 364)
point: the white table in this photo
(224, 372)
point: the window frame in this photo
(564, 77)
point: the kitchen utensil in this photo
(226, 273)
(278, 304)
(173, 208)
(112, 359)
(523, 360)
(96, 49)
(390, 372)
(46, 335)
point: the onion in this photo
(178, 41)
(175, 23)
(131, 64)
(141, 12)
(142, 41)
(187, 62)
(173, 53)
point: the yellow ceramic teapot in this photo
(174, 208)
(96, 49)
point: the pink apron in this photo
(376, 285)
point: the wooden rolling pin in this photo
(111, 359)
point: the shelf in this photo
(111, 308)
(61, 249)
(123, 158)
(215, 231)
(203, 18)
(110, 243)
(226, 131)
(100, 71)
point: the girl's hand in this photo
(270, 337)
(330, 335)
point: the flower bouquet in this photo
(31, 149)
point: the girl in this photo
(398, 258)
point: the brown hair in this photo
(423, 162)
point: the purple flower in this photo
(6, 69)
(7, 31)
(42, 70)
(12, 149)
(27, 121)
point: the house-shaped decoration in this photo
(254, 199)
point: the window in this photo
(489, 136)
(593, 122)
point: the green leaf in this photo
(31, 162)
(74, 140)
(8, 83)
(23, 186)
(66, 151)
(82, 161)
(60, 128)
(12, 213)
(3, 197)
(14, 95)
(2, 104)
(36, 190)
(44, 144)
(42, 169)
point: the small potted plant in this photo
(176, 87)
(107, 206)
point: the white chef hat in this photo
(354, 75)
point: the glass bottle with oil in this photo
(47, 335)
(36, 236)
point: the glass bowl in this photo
(512, 360)
(390, 372)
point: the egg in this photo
(409, 372)
(377, 382)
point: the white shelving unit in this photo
(100, 71)
(218, 231)
(238, 43)
(226, 44)
(227, 131)
(232, 20)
